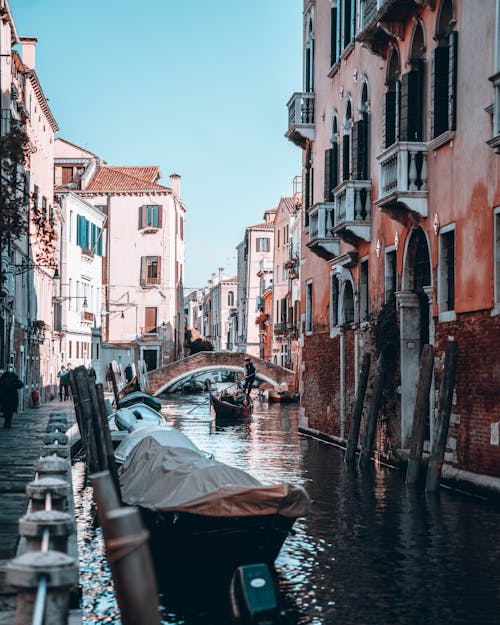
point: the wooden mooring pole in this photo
(104, 425)
(443, 418)
(81, 397)
(420, 413)
(115, 384)
(352, 443)
(371, 422)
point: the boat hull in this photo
(285, 397)
(183, 541)
(225, 410)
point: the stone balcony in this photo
(403, 180)
(301, 118)
(321, 239)
(352, 221)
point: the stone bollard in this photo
(55, 571)
(53, 437)
(60, 525)
(38, 490)
(52, 466)
(59, 450)
(58, 416)
(57, 426)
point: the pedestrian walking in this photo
(62, 376)
(9, 397)
(129, 373)
(109, 378)
(66, 381)
(91, 372)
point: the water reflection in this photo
(371, 551)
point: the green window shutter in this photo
(328, 170)
(333, 36)
(346, 148)
(354, 150)
(404, 131)
(390, 118)
(99, 241)
(139, 225)
(359, 135)
(334, 163)
(80, 235)
(452, 80)
(440, 78)
(416, 102)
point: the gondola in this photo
(231, 407)
(282, 395)
(204, 515)
(139, 397)
(192, 386)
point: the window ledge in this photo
(447, 316)
(333, 69)
(495, 310)
(149, 230)
(334, 331)
(443, 139)
(347, 51)
(495, 143)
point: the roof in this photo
(126, 179)
(265, 225)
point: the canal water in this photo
(372, 552)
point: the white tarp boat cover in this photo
(179, 479)
(165, 435)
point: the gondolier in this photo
(250, 372)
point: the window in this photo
(88, 235)
(446, 273)
(390, 275)
(334, 55)
(496, 252)
(150, 216)
(309, 57)
(309, 306)
(348, 303)
(413, 91)
(66, 175)
(181, 221)
(346, 144)
(334, 301)
(150, 270)
(348, 16)
(332, 163)
(262, 244)
(150, 320)
(364, 305)
(230, 298)
(359, 140)
(392, 99)
(444, 68)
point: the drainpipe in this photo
(496, 116)
(342, 383)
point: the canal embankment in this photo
(38, 543)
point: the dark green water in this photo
(371, 552)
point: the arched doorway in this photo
(415, 319)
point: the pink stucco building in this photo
(142, 249)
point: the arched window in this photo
(413, 90)
(392, 99)
(346, 143)
(309, 57)
(332, 162)
(348, 303)
(444, 76)
(360, 139)
(230, 298)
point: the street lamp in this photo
(29, 265)
(58, 299)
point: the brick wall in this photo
(476, 404)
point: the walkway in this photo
(19, 449)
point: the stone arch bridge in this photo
(163, 379)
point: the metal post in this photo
(352, 443)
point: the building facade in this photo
(143, 252)
(256, 246)
(29, 260)
(398, 126)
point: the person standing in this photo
(9, 397)
(62, 375)
(250, 372)
(66, 381)
(91, 372)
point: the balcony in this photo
(353, 211)
(300, 118)
(265, 267)
(87, 253)
(403, 180)
(322, 241)
(147, 282)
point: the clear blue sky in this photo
(194, 86)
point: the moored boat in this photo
(139, 397)
(204, 514)
(283, 395)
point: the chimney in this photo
(28, 51)
(221, 273)
(175, 183)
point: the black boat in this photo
(203, 514)
(231, 405)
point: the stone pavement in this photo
(20, 447)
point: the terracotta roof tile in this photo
(265, 225)
(125, 179)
